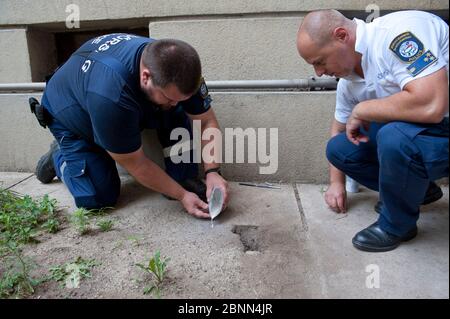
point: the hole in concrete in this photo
(248, 235)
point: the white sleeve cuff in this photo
(341, 118)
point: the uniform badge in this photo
(422, 63)
(203, 88)
(407, 47)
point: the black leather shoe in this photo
(374, 239)
(434, 193)
(193, 185)
(45, 168)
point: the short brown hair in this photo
(173, 61)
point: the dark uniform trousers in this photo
(90, 173)
(399, 161)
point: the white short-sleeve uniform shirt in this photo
(348, 95)
(396, 49)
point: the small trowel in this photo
(215, 203)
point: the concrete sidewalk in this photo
(269, 243)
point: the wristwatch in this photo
(211, 170)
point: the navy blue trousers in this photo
(90, 173)
(399, 161)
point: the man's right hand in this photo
(194, 205)
(336, 197)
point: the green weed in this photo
(100, 212)
(70, 274)
(81, 219)
(105, 224)
(135, 240)
(16, 281)
(22, 219)
(157, 269)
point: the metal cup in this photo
(351, 185)
(215, 204)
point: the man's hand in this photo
(353, 130)
(194, 205)
(336, 197)
(215, 180)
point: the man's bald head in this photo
(326, 40)
(320, 25)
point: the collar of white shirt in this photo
(361, 37)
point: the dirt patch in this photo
(204, 262)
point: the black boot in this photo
(45, 168)
(434, 193)
(193, 185)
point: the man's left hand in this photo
(215, 180)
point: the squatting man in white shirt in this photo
(391, 129)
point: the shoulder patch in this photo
(203, 88)
(424, 61)
(407, 47)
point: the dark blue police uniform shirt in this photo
(94, 101)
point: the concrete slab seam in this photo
(300, 207)
(21, 181)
